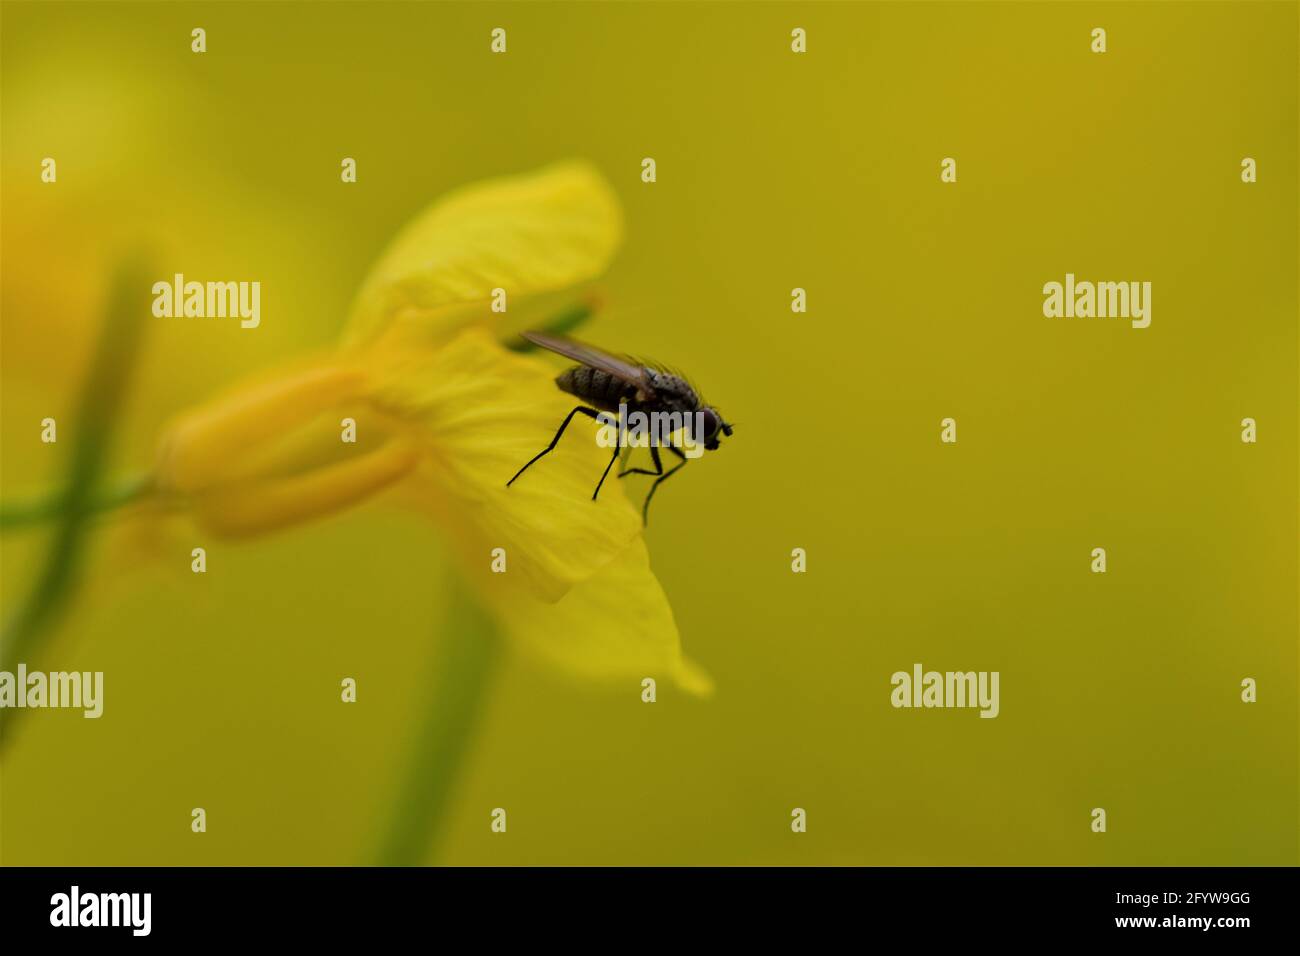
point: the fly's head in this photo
(714, 428)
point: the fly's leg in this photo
(645, 508)
(659, 465)
(618, 446)
(589, 412)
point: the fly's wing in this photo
(621, 368)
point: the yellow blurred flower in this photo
(443, 415)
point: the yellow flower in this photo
(444, 415)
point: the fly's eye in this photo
(711, 423)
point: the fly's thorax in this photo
(672, 392)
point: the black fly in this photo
(606, 382)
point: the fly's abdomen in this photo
(594, 387)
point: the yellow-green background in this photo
(822, 171)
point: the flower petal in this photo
(617, 625)
(529, 234)
(482, 412)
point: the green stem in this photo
(457, 690)
(101, 398)
(39, 508)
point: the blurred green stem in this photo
(457, 689)
(38, 508)
(97, 409)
